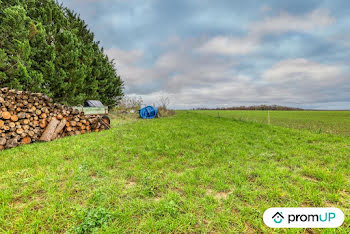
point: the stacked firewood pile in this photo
(29, 117)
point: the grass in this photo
(185, 173)
(333, 122)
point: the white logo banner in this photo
(303, 217)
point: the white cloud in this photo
(178, 67)
(284, 22)
(127, 67)
(192, 72)
(190, 80)
(124, 57)
(265, 9)
(302, 71)
(230, 45)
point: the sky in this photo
(222, 53)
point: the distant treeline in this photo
(261, 107)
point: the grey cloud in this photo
(219, 53)
(192, 80)
(281, 23)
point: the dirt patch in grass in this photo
(249, 229)
(218, 195)
(130, 184)
(93, 175)
(179, 191)
(345, 198)
(310, 178)
(329, 204)
(18, 203)
(35, 202)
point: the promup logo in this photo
(303, 217)
(278, 217)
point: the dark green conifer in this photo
(45, 47)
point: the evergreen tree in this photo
(45, 47)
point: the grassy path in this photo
(187, 173)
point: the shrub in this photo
(130, 103)
(163, 110)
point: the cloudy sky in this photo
(203, 53)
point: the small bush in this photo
(164, 112)
(130, 103)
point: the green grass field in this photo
(333, 122)
(186, 173)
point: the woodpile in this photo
(27, 117)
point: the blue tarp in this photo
(148, 112)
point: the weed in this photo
(92, 220)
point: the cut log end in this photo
(26, 140)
